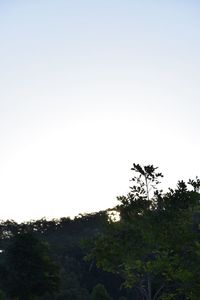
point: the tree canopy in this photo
(151, 252)
(155, 245)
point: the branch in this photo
(142, 291)
(158, 291)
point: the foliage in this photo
(30, 270)
(99, 293)
(66, 249)
(154, 246)
(139, 198)
(151, 252)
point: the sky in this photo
(87, 88)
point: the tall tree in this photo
(154, 246)
(30, 269)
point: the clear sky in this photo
(86, 89)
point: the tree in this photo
(154, 246)
(30, 270)
(143, 194)
(99, 293)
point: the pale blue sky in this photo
(88, 88)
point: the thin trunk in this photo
(147, 187)
(143, 293)
(149, 287)
(158, 292)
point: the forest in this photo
(145, 248)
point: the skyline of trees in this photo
(151, 252)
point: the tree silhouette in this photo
(30, 270)
(154, 246)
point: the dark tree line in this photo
(45, 260)
(152, 252)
